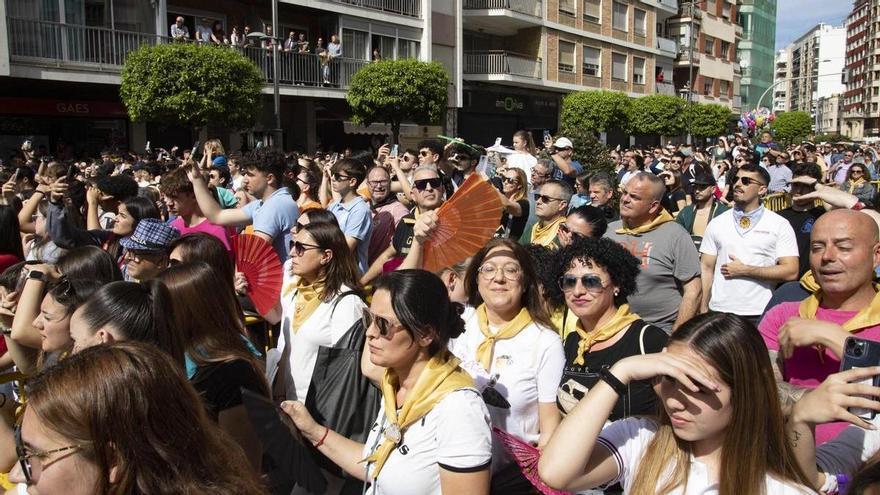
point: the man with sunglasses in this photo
(351, 211)
(147, 249)
(669, 281)
(464, 160)
(386, 209)
(427, 194)
(551, 205)
(746, 251)
(838, 171)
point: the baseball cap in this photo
(563, 142)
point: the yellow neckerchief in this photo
(547, 234)
(621, 319)
(308, 298)
(662, 218)
(564, 321)
(508, 331)
(853, 184)
(867, 317)
(808, 282)
(439, 377)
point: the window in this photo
(639, 22)
(592, 61)
(725, 49)
(725, 11)
(354, 44)
(566, 7)
(407, 49)
(618, 67)
(710, 46)
(638, 70)
(593, 10)
(725, 88)
(618, 16)
(707, 85)
(566, 56)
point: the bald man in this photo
(669, 282)
(806, 338)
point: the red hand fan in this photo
(465, 223)
(258, 261)
(526, 456)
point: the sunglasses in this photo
(424, 153)
(545, 199)
(748, 181)
(339, 177)
(566, 229)
(299, 248)
(422, 184)
(384, 326)
(591, 283)
(510, 180)
(32, 462)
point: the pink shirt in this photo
(805, 368)
(205, 227)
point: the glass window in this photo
(385, 45)
(592, 61)
(707, 85)
(593, 10)
(725, 10)
(638, 70)
(354, 44)
(566, 56)
(407, 49)
(566, 7)
(639, 22)
(618, 66)
(710, 45)
(724, 87)
(618, 16)
(725, 48)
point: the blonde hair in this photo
(215, 146)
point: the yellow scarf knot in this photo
(510, 330)
(546, 235)
(308, 298)
(662, 218)
(622, 319)
(867, 317)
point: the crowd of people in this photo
(655, 327)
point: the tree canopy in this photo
(661, 115)
(707, 119)
(792, 126)
(596, 111)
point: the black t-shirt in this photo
(219, 384)
(577, 379)
(671, 199)
(802, 223)
(514, 226)
(403, 234)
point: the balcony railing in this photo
(665, 88)
(101, 49)
(668, 46)
(410, 8)
(529, 7)
(499, 62)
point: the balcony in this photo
(73, 48)
(669, 47)
(502, 66)
(409, 8)
(502, 17)
(665, 88)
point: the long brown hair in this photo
(342, 269)
(754, 441)
(130, 407)
(531, 298)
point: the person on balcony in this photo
(179, 31)
(302, 44)
(217, 33)
(235, 38)
(290, 44)
(334, 50)
(203, 31)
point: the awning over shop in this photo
(406, 130)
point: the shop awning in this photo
(406, 130)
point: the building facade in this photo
(815, 67)
(781, 82)
(756, 50)
(861, 102)
(829, 115)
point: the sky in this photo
(795, 17)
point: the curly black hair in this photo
(622, 266)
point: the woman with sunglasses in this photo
(515, 199)
(858, 183)
(512, 352)
(432, 433)
(676, 199)
(309, 182)
(122, 419)
(595, 277)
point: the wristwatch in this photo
(36, 275)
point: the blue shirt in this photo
(275, 217)
(356, 220)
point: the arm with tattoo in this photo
(788, 393)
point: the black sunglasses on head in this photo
(422, 184)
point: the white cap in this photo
(563, 142)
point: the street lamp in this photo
(277, 132)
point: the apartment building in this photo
(829, 113)
(60, 62)
(706, 69)
(815, 67)
(756, 50)
(861, 100)
(781, 77)
(522, 56)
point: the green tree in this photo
(661, 115)
(792, 126)
(393, 91)
(191, 84)
(707, 120)
(595, 111)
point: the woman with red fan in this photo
(512, 352)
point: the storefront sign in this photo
(61, 108)
(490, 102)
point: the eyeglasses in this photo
(339, 177)
(382, 324)
(592, 283)
(299, 248)
(566, 229)
(422, 184)
(678, 161)
(545, 199)
(511, 271)
(374, 183)
(747, 181)
(424, 153)
(535, 173)
(510, 180)
(857, 171)
(32, 462)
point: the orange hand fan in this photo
(465, 223)
(258, 261)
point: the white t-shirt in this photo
(529, 368)
(455, 435)
(627, 440)
(772, 238)
(524, 161)
(299, 351)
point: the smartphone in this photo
(148, 149)
(498, 141)
(72, 172)
(860, 353)
(16, 174)
(546, 134)
(394, 149)
(195, 148)
(334, 157)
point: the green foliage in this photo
(393, 91)
(792, 126)
(661, 115)
(831, 138)
(192, 85)
(707, 120)
(596, 111)
(592, 154)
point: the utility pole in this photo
(691, 41)
(277, 133)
